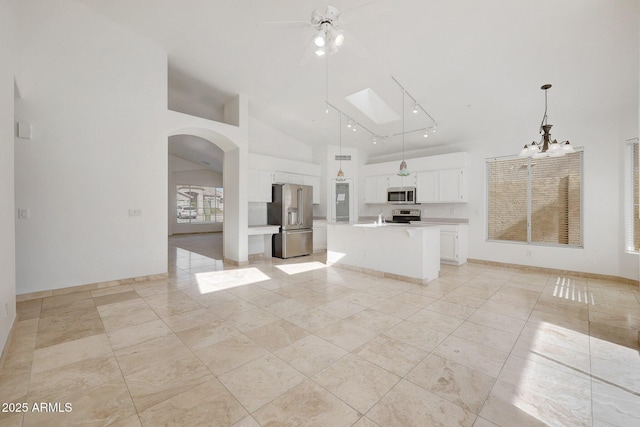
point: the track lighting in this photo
(415, 108)
(426, 133)
(350, 123)
(355, 127)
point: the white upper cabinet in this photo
(394, 181)
(443, 186)
(427, 187)
(452, 185)
(375, 189)
(280, 178)
(313, 181)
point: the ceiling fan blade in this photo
(287, 23)
(308, 54)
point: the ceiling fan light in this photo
(339, 39)
(320, 51)
(319, 39)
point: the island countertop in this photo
(405, 251)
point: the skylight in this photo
(373, 106)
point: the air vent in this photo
(343, 157)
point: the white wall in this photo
(184, 172)
(7, 206)
(263, 139)
(96, 98)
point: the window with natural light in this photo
(199, 204)
(535, 200)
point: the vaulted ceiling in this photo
(472, 65)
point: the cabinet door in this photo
(375, 189)
(280, 178)
(294, 178)
(449, 245)
(370, 187)
(427, 186)
(450, 185)
(394, 181)
(313, 181)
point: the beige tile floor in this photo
(296, 343)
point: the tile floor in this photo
(297, 343)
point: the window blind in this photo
(535, 200)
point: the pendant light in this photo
(340, 175)
(403, 171)
(546, 147)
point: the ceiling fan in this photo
(329, 36)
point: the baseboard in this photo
(7, 344)
(617, 279)
(89, 287)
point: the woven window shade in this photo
(545, 208)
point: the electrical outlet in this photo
(24, 213)
(528, 252)
(452, 211)
(135, 212)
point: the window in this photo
(632, 193)
(199, 204)
(535, 200)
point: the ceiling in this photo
(472, 65)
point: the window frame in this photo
(631, 192)
(188, 187)
(580, 151)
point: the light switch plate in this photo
(24, 130)
(24, 213)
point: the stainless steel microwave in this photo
(401, 195)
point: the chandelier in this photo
(546, 147)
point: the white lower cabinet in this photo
(453, 243)
(319, 236)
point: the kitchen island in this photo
(409, 252)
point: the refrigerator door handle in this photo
(300, 206)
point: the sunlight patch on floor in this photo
(301, 267)
(214, 281)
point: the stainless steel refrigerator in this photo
(292, 209)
